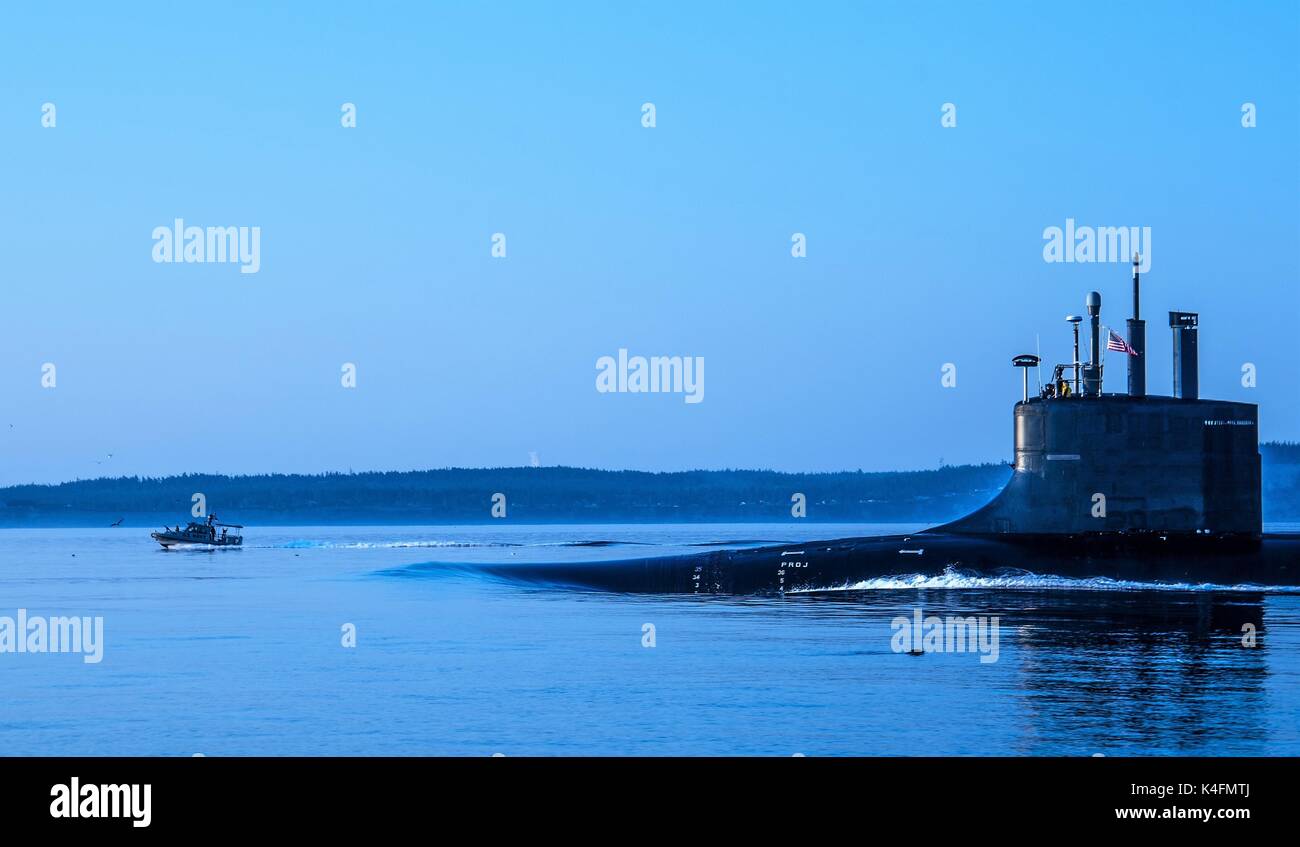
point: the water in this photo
(237, 652)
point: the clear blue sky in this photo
(924, 243)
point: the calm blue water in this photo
(237, 652)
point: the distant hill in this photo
(1281, 472)
(554, 494)
(550, 494)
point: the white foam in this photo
(379, 545)
(954, 579)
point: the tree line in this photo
(552, 494)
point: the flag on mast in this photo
(1116, 342)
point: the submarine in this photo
(1120, 486)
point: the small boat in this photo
(203, 533)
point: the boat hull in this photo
(1270, 560)
(172, 539)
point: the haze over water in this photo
(238, 653)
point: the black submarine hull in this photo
(1126, 487)
(1227, 561)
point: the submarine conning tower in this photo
(1089, 462)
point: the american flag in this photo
(1117, 343)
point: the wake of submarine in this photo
(1127, 487)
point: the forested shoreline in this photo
(553, 494)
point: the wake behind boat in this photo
(197, 533)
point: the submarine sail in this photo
(1130, 463)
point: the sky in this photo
(924, 242)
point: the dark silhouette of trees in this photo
(555, 494)
(463, 495)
